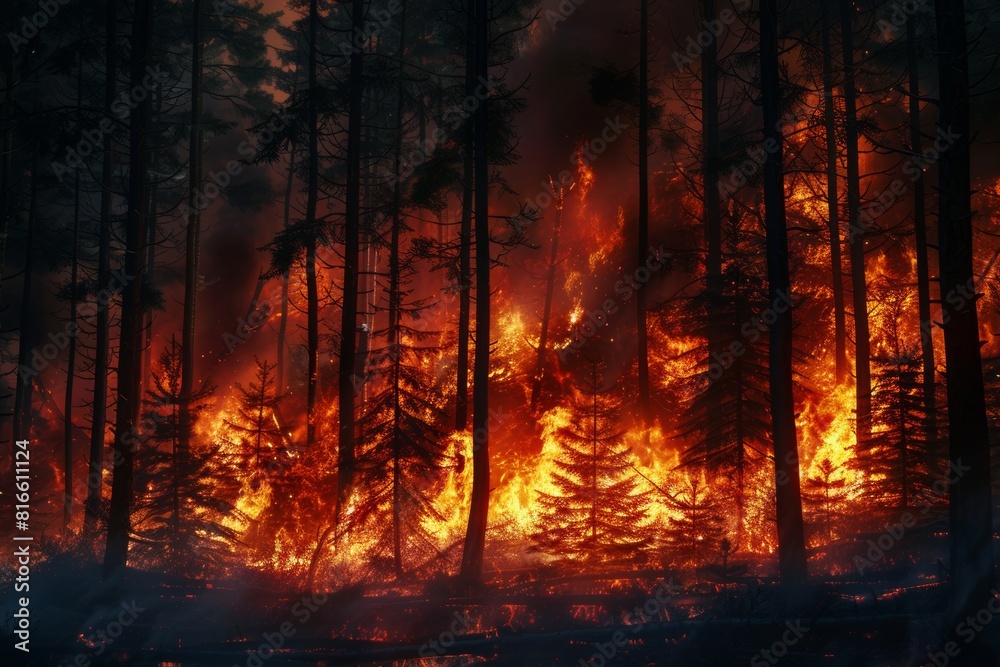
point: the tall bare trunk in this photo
(791, 539)
(126, 432)
(312, 195)
(68, 440)
(475, 536)
(283, 324)
(712, 207)
(833, 204)
(349, 310)
(192, 247)
(920, 234)
(642, 237)
(24, 382)
(95, 476)
(859, 283)
(550, 289)
(970, 511)
(465, 234)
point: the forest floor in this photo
(620, 619)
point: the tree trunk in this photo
(859, 285)
(475, 537)
(312, 233)
(191, 241)
(642, 237)
(920, 234)
(95, 476)
(126, 432)
(550, 289)
(791, 539)
(68, 440)
(970, 511)
(833, 204)
(465, 233)
(24, 383)
(6, 138)
(395, 307)
(711, 205)
(349, 309)
(283, 324)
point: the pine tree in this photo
(824, 494)
(401, 446)
(729, 417)
(896, 460)
(694, 538)
(599, 516)
(257, 426)
(182, 496)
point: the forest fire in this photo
(439, 334)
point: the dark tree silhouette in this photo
(791, 539)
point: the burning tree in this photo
(401, 444)
(694, 537)
(183, 494)
(896, 457)
(824, 494)
(599, 516)
(257, 415)
(729, 417)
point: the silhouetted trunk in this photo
(283, 324)
(642, 237)
(550, 289)
(395, 297)
(349, 310)
(192, 245)
(6, 137)
(833, 203)
(716, 323)
(791, 539)
(151, 220)
(856, 239)
(25, 378)
(465, 233)
(68, 440)
(126, 432)
(475, 536)
(95, 476)
(970, 512)
(312, 233)
(920, 234)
